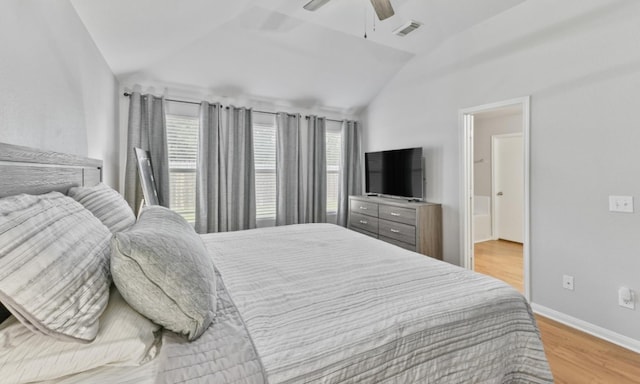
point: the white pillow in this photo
(54, 265)
(125, 338)
(106, 204)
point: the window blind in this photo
(264, 143)
(182, 140)
(334, 143)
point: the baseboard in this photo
(594, 330)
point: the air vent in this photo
(315, 4)
(407, 28)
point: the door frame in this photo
(465, 124)
(494, 189)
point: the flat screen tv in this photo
(395, 173)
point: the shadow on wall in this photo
(433, 158)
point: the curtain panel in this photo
(225, 175)
(313, 165)
(287, 168)
(147, 130)
(208, 169)
(350, 179)
(301, 170)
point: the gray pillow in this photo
(162, 269)
(106, 204)
(54, 265)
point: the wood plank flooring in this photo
(574, 356)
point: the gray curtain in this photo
(208, 169)
(225, 179)
(147, 130)
(313, 164)
(287, 168)
(350, 179)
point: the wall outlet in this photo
(567, 282)
(621, 204)
(626, 298)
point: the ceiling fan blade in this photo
(383, 8)
(315, 4)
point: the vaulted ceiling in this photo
(272, 49)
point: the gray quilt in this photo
(317, 303)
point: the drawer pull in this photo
(364, 222)
(395, 214)
(363, 208)
(394, 230)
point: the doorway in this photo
(489, 187)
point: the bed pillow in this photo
(163, 271)
(54, 265)
(106, 204)
(126, 338)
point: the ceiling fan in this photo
(383, 8)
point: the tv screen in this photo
(394, 173)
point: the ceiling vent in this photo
(315, 4)
(406, 28)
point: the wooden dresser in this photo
(416, 226)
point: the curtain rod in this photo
(127, 94)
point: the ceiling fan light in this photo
(315, 4)
(383, 9)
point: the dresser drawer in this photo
(370, 234)
(402, 215)
(400, 244)
(397, 231)
(366, 223)
(364, 207)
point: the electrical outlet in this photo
(621, 204)
(626, 298)
(567, 282)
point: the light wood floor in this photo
(574, 356)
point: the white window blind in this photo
(334, 143)
(182, 140)
(264, 146)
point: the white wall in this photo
(580, 62)
(485, 126)
(56, 91)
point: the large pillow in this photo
(106, 204)
(163, 270)
(54, 265)
(126, 338)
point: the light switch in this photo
(621, 204)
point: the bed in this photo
(311, 303)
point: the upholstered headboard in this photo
(34, 171)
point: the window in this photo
(264, 142)
(334, 148)
(182, 140)
(264, 146)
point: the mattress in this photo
(318, 303)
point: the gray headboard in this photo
(33, 171)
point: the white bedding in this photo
(324, 304)
(319, 303)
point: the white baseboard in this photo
(594, 330)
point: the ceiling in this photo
(272, 50)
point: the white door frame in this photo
(494, 187)
(465, 123)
